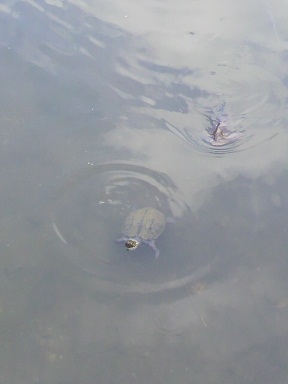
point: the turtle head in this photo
(131, 244)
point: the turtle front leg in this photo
(151, 243)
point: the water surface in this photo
(110, 107)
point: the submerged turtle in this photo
(221, 135)
(143, 225)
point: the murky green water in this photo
(106, 108)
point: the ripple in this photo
(225, 134)
(88, 213)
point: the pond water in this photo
(109, 107)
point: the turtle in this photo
(222, 136)
(142, 225)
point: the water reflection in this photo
(123, 115)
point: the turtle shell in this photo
(145, 223)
